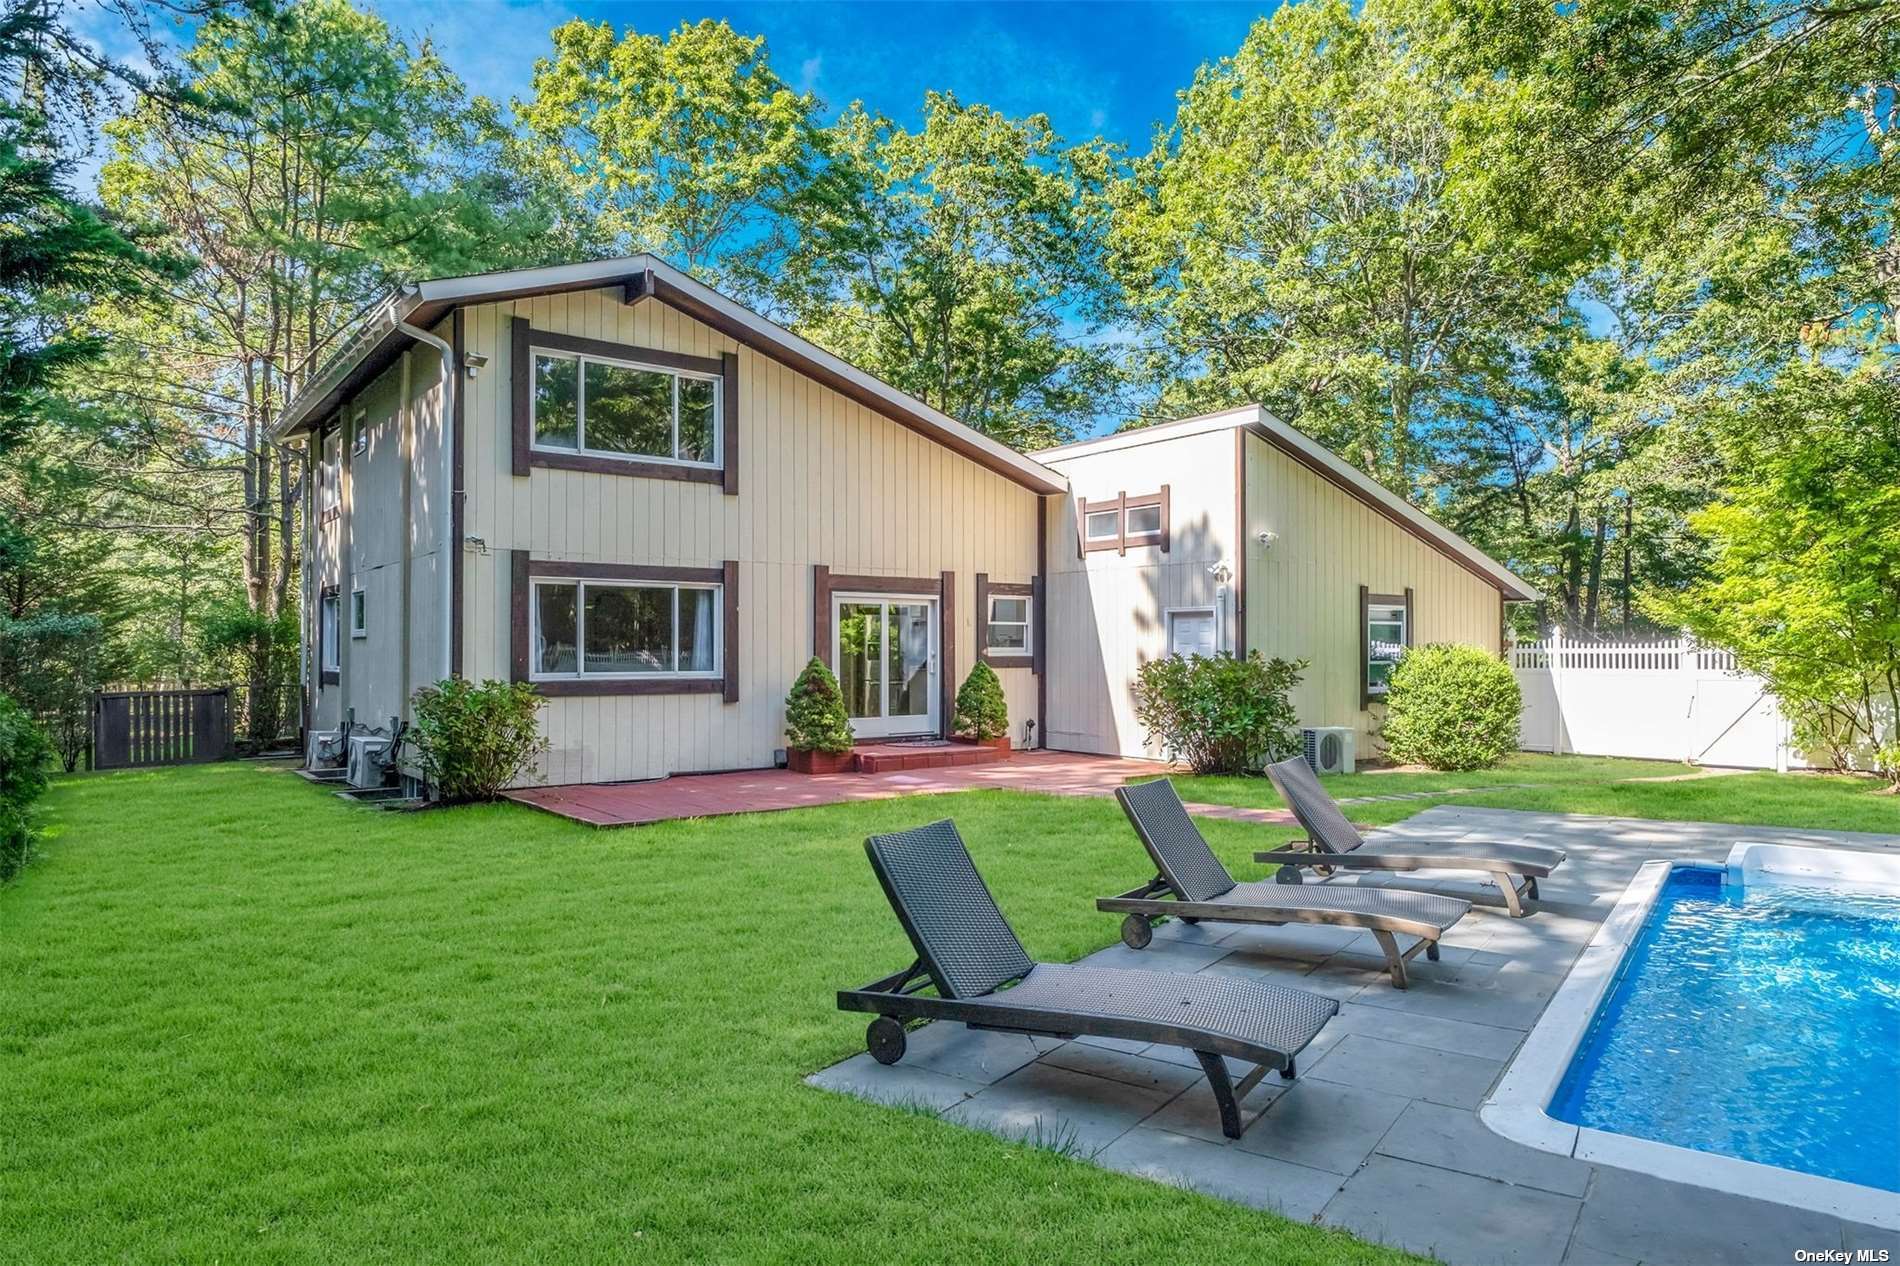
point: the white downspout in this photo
(448, 489)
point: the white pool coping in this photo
(1517, 1106)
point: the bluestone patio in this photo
(1380, 1134)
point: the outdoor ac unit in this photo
(366, 757)
(1328, 748)
(326, 749)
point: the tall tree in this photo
(688, 145)
(347, 161)
(963, 263)
(1314, 233)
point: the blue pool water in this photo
(1758, 1021)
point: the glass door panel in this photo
(908, 674)
(860, 658)
(886, 653)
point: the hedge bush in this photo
(982, 712)
(815, 719)
(1220, 715)
(1451, 707)
(471, 741)
(24, 752)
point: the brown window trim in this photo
(985, 590)
(1121, 503)
(523, 570)
(524, 339)
(826, 582)
(1366, 599)
(329, 676)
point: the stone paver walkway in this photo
(1380, 1134)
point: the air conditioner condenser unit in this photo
(1328, 748)
(325, 749)
(366, 761)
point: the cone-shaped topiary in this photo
(982, 713)
(815, 719)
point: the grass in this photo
(246, 1020)
(1598, 785)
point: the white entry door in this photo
(886, 651)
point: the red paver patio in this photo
(711, 795)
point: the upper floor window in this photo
(584, 404)
(329, 652)
(330, 475)
(359, 435)
(359, 614)
(588, 628)
(1124, 522)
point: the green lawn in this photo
(1600, 785)
(245, 1020)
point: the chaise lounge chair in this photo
(982, 977)
(1202, 889)
(1515, 868)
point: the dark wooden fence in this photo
(160, 727)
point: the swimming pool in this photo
(1736, 1027)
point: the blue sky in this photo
(1108, 69)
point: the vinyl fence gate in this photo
(1663, 700)
(131, 728)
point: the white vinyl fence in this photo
(1670, 700)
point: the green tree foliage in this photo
(1451, 707)
(473, 741)
(815, 719)
(1804, 578)
(963, 263)
(23, 757)
(1220, 714)
(261, 651)
(982, 712)
(687, 145)
(51, 664)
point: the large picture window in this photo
(592, 628)
(586, 404)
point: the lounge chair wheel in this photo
(1137, 931)
(1289, 875)
(1188, 921)
(884, 1038)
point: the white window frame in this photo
(329, 631)
(1397, 615)
(1028, 622)
(580, 585)
(1088, 521)
(359, 612)
(1146, 534)
(582, 360)
(359, 434)
(330, 474)
(1213, 619)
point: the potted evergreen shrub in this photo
(982, 715)
(817, 731)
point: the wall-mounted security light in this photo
(473, 361)
(1266, 538)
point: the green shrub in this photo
(982, 713)
(51, 665)
(24, 752)
(1451, 707)
(815, 719)
(1220, 715)
(471, 741)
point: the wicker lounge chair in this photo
(982, 977)
(1201, 888)
(1333, 843)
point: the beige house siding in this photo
(370, 542)
(1302, 594)
(1107, 610)
(822, 480)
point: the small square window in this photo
(359, 614)
(1007, 630)
(1104, 525)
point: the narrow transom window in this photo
(1144, 521)
(1104, 525)
(587, 405)
(589, 628)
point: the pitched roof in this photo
(1322, 462)
(373, 343)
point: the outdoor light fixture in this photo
(473, 361)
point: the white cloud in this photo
(809, 71)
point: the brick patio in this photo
(1380, 1136)
(758, 791)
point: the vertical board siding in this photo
(1303, 592)
(821, 480)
